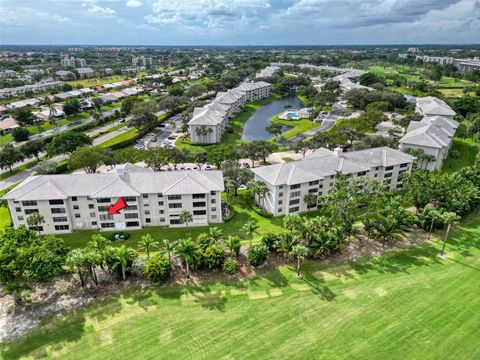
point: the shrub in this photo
(158, 269)
(232, 243)
(118, 235)
(455, 154)
(269, 240)
(230, 266)
(213, 256)
(257, 255)
(203, 241)
(20, 134)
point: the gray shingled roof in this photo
(324, 162)
(46, 187)
(430, 105)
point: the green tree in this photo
(257, 255)
(20, 134)
(147, 243)
(35, 221)
(299, 252)
(33, 148)
(72, 106)
(67, 143)
(9, 155)
(122, 258)
(232, 243)
(168, 248)
(234, 172)
(275, 129)
(24, 116)
(185, 217)
(451, 219)
(143, 115)
(311, 200)
(186, 249)
(215, 233)
(250, 228)
(89, 158)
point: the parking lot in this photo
(162, 136)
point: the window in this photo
(91, 206)
(280, 194)
(294, 202)
(20, 218)
(331, 184)
(132, 223)
(198, 196)
(106, 217)
(313, 190)
(175, 205)
(107, 225)
(103, 208)
(130, 198)
(294, 209)
(388, 175)
(103, 200)
(162, 219)
(161, 212)
(280, 202)
(131, 216)
(148, 220)
(295, 194)
(92, 214)
(75, 207)
(58, 210)
(147, 212)
(296, 186)
(175, 222)
(131, 207)
(213, 193)
(214, 209)
(30, 211)
(77, 216)
(94, 223)
(74, 198)
(313, 183)
(404, 165)
(199, 212)
(29, 203)
(389, 168)
(199, 204)
(214, 216)
(213, 201)
(362, 173)
(160, 203)
(145, 196)
(61, 227)
(36, 228)
(279, 209)
(60, 219)
(174, 197)
(17, 209)
(146, 205)
(280, 187)
(160, 195)
(55, 202)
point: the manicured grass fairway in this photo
(405, 305)
(469, 150)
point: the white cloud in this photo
(106, 11)
(134, 3)
(23, 16)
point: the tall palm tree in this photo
(75, 261)
(186, 249)
(229, 189)
(185, 217)
(436, 216)
(311, 200)
(451, 219)
(168, 248)
(300, 252)
(147, 242)
(36, 221)
(122, 256)
(250, 228)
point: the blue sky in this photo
(239, 22)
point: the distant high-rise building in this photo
(141, 61)
(72, 62)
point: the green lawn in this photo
(243, 213)
(96, 81)
(4, 217)
(296, 126)
(468, 149)
(404, 305)
(129, 134)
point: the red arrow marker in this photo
(115, 208)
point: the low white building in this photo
(288, 183)
(81, 201)
(433, 134)
(208, 123)
(39, 87)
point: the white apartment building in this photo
(288, 183)
(10, 92)
(142, 61)
(434, 133)
(267, 71)
(86, 73)
(81, 201)
(72, 61)
(467, 64)
(437, 59)
(208, 123)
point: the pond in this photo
(254, 128)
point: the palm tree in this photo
(229, 189)
(146, 243)
(216, 233)
(122, 256)
(35, 221)
(168, 248)
(250, 228)
(186, 249)
(185, 217)
(52, 116)
(311, 199)
(300, 252)
(451, 219)
(435, 216)
(232, 243)
(75, 261)
(287, 242)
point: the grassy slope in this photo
(405, 305)
(4, 217)
(467, 147)
(243, 213)
(296, 126)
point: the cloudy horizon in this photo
(239, 22)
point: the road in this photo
(6, 183)
(328, 122)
